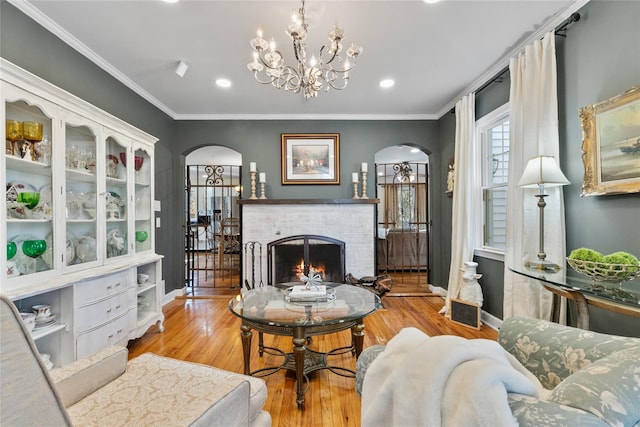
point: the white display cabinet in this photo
(77, 219)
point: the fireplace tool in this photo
(250, 248)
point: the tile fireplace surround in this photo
(349, 220)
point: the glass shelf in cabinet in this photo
(80, 175)
(28, 166)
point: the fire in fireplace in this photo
(291, 257)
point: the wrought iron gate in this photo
(212, 227)
(403, 219)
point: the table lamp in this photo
(541, 171)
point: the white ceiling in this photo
(435, 52)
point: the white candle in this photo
(354, 177)
(263, 177)
(252, 167)
(364, 167)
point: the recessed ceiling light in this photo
(387, 83)
(431, 1)
(223, 82)
(170, 1)
(414, 150)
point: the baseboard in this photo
(438, 290)
(173, 294)
(490, 320)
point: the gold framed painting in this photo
(310, 158)
(611, 145)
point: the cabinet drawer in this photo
(112, 333)
(92, 315)
(100, 288)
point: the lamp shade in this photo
(542, 170)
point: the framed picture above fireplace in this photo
(310, 158)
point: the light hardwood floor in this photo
(203, 330)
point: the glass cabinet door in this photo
(29, 131)
(116, 196)
(143, 201)
(81, 192)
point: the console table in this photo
(621, 298)
(266, 310)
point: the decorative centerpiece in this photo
(312, 290)
(616, 267)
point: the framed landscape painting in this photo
(310, 158)
(611, 145)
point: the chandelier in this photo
(329, 70)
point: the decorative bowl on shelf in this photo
(141, 236)
(605, 272)
(32, 131)
(29, 319)
(12, 249)
(142, 278)
(137, 162)
(34, 248)
(14, 130)
(30, 199)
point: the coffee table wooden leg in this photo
(357, 334)
(246, 336)
(299, 340)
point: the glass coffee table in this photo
(269, 310)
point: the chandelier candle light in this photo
(329, 70)
(541, 171)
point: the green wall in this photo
(600, 58)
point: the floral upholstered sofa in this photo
(107, 390)
(591, 379)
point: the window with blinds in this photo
(493, 135)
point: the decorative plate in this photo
(24, 264)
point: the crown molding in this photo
(289, 117)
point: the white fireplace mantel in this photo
(349, 220)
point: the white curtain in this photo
(463, 195)
(534, 131)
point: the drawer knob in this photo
(117, 284)
(109, 287)
(110, 336)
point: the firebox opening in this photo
(291, 257)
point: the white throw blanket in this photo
(443, 381)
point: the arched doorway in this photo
(212, 220)
(402, 243)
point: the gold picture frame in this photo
(310, 158)
(611, 145)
